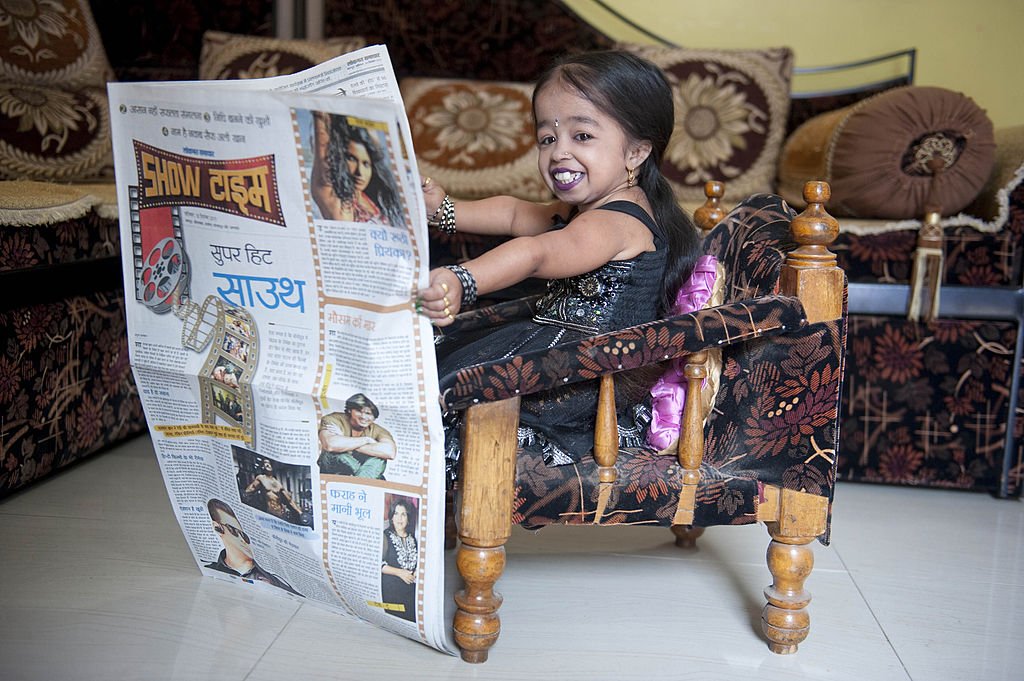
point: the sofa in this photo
(66, 389)
(928, 402)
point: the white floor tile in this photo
(917, 585)
(944, 575)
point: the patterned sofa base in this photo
(936, 404)
(66, 389)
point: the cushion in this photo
(229, 55)
(475, 138)
(874, 153)
(53, 43)
(731, 111)
(51, 133)
(704, 288)
(27, 203)
(1006, 172)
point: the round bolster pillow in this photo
(875, 154)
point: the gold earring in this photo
(630, 177)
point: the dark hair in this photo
(410, 511)
(382, 188)
(635, 93)
(360, 401)
(218, 505)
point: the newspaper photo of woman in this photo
(351, 177)
(400, 559)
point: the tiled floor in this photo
(918, 584)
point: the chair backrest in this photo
(775, 418)
(751, 243)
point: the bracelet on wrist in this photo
(468, 283)
(444, 217)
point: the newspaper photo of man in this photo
(352, 443)
(236, 558)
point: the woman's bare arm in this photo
(589, 241)
(496, 215)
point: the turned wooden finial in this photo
(711, 213)
(814, 229)
(810, 271)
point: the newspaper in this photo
(289, 385)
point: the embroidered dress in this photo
(560, 423)
(399, 552)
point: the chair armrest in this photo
(492, 315)
(629, 348)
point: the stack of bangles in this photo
(468, 283)
(444, 217)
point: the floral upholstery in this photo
(731, 111)
(475, 137)
(989, 256)
(52, 43)
(54, 119)
(775, 420)
(927, 403)
(228, 55)
(66, 388)
(506, 40)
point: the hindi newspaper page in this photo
(288, 382)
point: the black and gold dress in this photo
(559, 423)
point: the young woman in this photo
(351, 179)
(399, 561)
(615, 246)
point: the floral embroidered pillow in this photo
(49, 133)
(731, 111)
(52, 43)
(475, 137)
(228, 55)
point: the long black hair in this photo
(635, 93)
(383, 189)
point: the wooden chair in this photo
(765, 452)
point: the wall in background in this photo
(970, 47)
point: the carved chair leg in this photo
(687, 535)
(487, 479)
(785, 620)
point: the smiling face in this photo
(360, 165)
(584, 153)
(400, 519)
(360, 417)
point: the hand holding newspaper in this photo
(273, 237)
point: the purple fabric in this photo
(668, 395)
